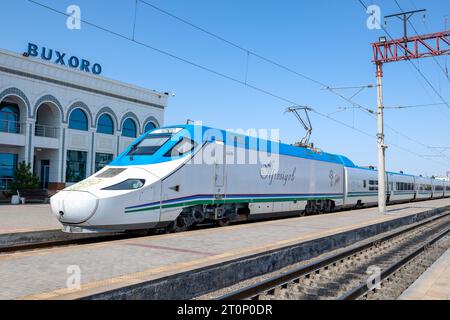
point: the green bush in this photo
(24, 178)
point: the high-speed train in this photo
(176, 177)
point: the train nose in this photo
(73, 206)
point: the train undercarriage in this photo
(224, 214)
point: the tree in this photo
(24, 178)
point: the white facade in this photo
(46, 95)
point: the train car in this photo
(401, 187)
(424, 188)
(438, 188)
(177, 177)
(361, 187)
(447, 189)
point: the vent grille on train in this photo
(110, 173)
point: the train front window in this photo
(149, 145)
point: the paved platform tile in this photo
(434, 284)
(44, 274)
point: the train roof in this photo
(290, 150)
(250, 142)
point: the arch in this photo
(110, 112)
(45, 99)
(107, 126)
(132, 116)
(152, 120)
(129, 128)
(18, 93)
(10, 118)
(82, 106)
(80, 120)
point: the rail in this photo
(269, 286)
(46, 131)
(9, 126)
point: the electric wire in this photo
(264, 91)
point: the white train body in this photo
(177, 177)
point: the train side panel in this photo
(284, 184)
(447, 188)
(438, 188)
(190, 185)
(424, 188)
(361, 186)
(401, 188)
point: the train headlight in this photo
(130, 184)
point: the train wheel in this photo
(179, 225)
(223, 222)
(329, 206)
(309, 210)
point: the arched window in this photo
(9, 118)
(149, 126)
(78, 120)
(129, 128)
(105, 124)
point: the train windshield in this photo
(149, 145)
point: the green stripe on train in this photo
(224, 201)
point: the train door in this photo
(219, 170)
(345, 186)
(389, 187)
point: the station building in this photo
(64, 118)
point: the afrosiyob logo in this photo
(270, 174)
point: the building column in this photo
(92, 154)
(119, 133)
(29, 143)
(62, 154)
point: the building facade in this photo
(65, 122)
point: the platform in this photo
(434, 284)
(27, 218)
(180, 265)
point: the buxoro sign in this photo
(63, 59)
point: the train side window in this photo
(183, 147)
(373, 185)
(365, 184)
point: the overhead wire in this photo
(220, 74)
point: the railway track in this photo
(380, 269)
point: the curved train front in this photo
(98, 204)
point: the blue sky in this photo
(326, 40)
